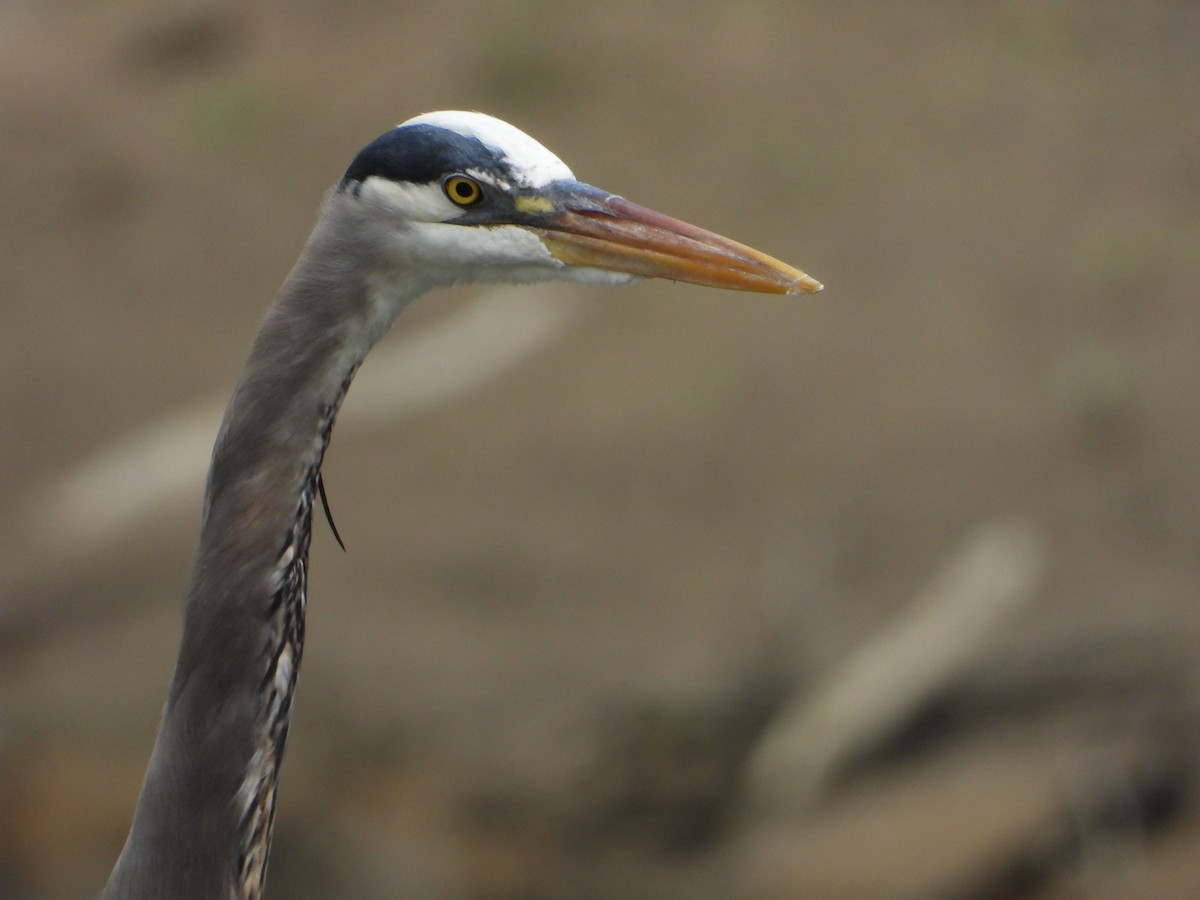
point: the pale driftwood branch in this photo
(879, 686)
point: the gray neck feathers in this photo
(203, 822)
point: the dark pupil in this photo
(465, 190)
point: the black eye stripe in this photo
(421, 154)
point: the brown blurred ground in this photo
(556, 637)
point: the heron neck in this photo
(203, 822)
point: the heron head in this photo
(462, 196)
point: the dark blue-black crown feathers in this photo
(421, 154)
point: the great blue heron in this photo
(443, 198)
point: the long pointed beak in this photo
(588, 227)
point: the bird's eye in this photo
(462, 190)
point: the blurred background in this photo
(652, 592)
